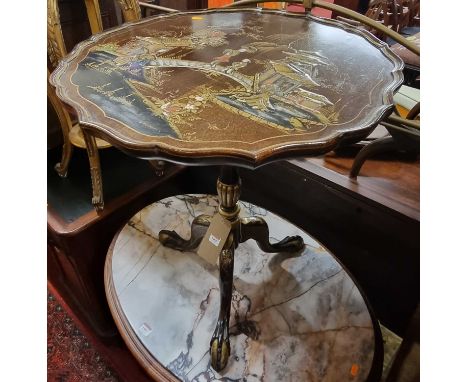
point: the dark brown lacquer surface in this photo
(241, 87)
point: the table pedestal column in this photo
(242, 229)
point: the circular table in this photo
(234, 88)
(294, 317)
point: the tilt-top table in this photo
(233, 88)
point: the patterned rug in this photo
(71, 355)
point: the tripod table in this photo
(232, 88)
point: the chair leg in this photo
(65, 125)
(67, 151)
(378, 146)
(95, 169)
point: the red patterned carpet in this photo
(71, 354)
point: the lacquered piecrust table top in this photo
(241, 87)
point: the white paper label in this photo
(214, 240)
(145, 329)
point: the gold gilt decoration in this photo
(130, 9)
(288, 82)
(95, 170)
(244, 82)
(94, 15)
(55, 45)
(73, 136)
(228, 195)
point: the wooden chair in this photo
(130, 9)
(377, 11)
(402, 14)
(73, 135)
(395, 14)
(414, 17)
(390, 13)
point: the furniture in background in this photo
(402, 16)
(403, 135)
(133, 10)
(130, 10)
(414, 16)
(411, 60)
(403, 132)
(394, 14)
(73, 135)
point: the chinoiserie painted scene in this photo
(233, 192)
(231, 79)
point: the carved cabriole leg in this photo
(242, 229)
(256, 228)
(198, 229)
(220, 347)
(228, 187)
(94, 16)
(95, 169)
(67, 151)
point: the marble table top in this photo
(294, 317)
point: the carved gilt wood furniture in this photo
(231, 88)
(130, 9)
(73, 135)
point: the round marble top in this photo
(294, 317)
(240, 86)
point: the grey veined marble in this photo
(294, 317)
